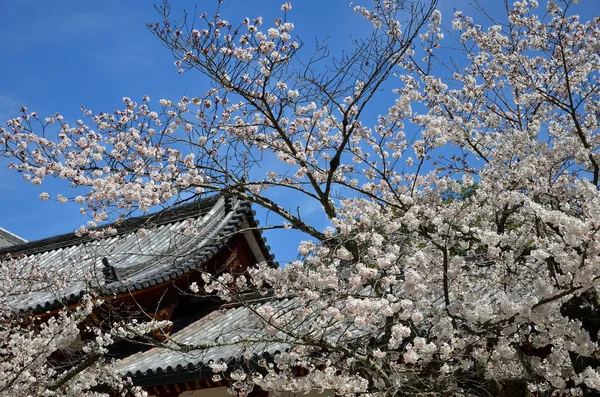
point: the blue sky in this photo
(58, 55)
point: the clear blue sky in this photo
(58, 55)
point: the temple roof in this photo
(221, 336)
(145, 251)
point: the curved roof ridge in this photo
(166, 216)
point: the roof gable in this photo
(8, 239)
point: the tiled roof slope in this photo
(8, 239)
(222, 335)
(134, 261)
(227, 335)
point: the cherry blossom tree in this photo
(462, 256)
(45, 355)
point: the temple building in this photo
(144, 270)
